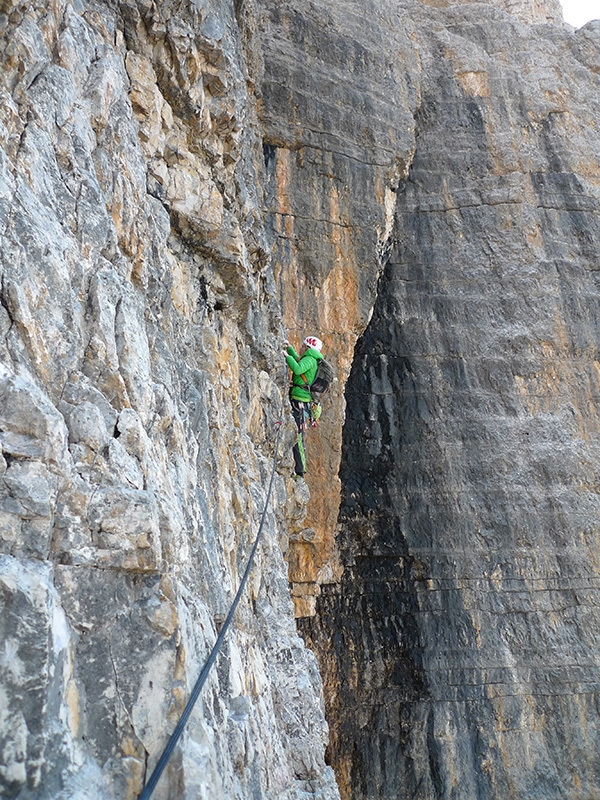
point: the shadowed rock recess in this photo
(185, 183)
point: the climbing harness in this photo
(167, 752)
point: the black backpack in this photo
(323, 380)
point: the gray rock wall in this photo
(138, 328)
(337, 111)
(537, 12)
(460, 647)
(182, 185)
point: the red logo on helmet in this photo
(314, 342)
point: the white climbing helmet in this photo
(312, 341)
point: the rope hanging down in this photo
(163, 760)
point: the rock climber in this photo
(304, 368)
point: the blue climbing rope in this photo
(167, 752)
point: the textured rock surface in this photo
(340, 93)
(459, 649)
(438, 160)
(138, 317)
(337, 110)
(530, 11)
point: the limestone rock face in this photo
(537, 12)
(459, 647)
(139, 321)
(182, 186)
(533, 11)
(338, 115)
(338, 110)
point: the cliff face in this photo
(337, 111)
(182, 185)
(139, 325)
(459, 648)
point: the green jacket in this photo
(307, 366)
